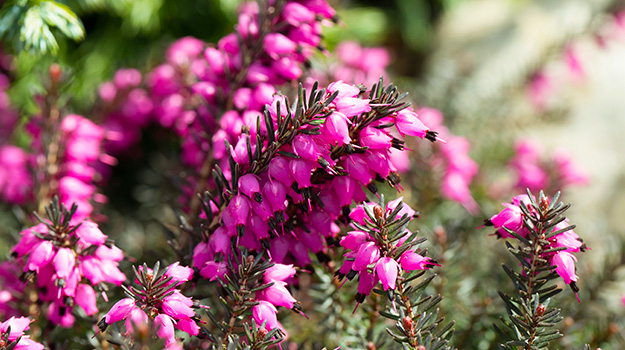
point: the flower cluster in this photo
(66, 259)
(208, 95)
(69, 169)
(82, 144)
(127, 108)
(380, 247)
(515, 222)
(12, 335)
(535, 172)
(158, 301)
(298, 173)
(459, 168)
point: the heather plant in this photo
(298, 188)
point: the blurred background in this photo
(545, 77)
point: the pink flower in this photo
(120, 310)
(565, 262)
(278, 295)
(41, 255)
(366, 282)
(165, 328)
(86, 299)
(511, 218)
(386, 269)
(136, 318)
(178, 306)
(368, 253)
(179, 273)
(277, 44)
(64, 261)
(351, 106)
(335, 128)
(354, 239)
(17, 325)
(301, 171)
(239, 208)
(279, 272)
(375, 139)
(296, 14)
(188, 325)
(266, 312)
(411, 261)
(213, 270)
(248, 185)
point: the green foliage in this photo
(30, 25)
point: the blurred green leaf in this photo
(29, 24)
(62, 17)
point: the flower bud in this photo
(540, 310)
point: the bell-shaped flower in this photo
(279, 170)
(354, 239)
(386, 269)
(86, 299)
(302, 171)
(249, 186)
(351, 106)
(258, 226)
(41, 255)
(29, 240)
(214, 270)
(345, 90)
(287, 67)
(279, 272)
(64, 262)
(136, 319)
(179, 273)
(378, 162)
(165, 328)
(276, 44)
(511, 218)
(411, 261)
(366, 282)
(347, 189)
(278, 295)
(335, 128)
(178, 306)
(120, 310)
(368, 253)
(357, 167)
(17, 324)
(275, 193)
(219, 241)
(306, 147)
(407, 123)
(264, 311)
(188, 325)
(239, 208)
(89, 233)
(565, 266)
(375, 139)
(295, 14)
(405, 210)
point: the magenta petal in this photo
(86, 299)
(386, 270)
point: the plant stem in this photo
(49, 168)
